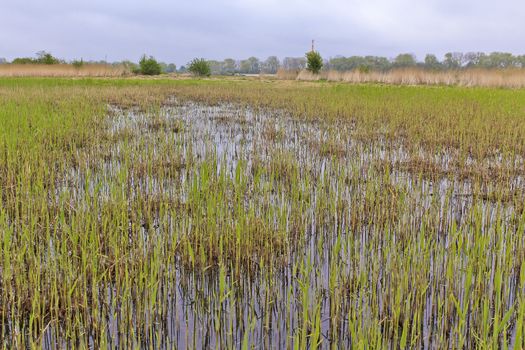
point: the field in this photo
(260, 214)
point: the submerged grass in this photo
(221, 213)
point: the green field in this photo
(247, 213)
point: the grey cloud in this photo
(176, 31)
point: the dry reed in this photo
(508, 78)
(62, 70)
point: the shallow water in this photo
(354, 235)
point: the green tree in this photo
(244, 67)
(199, 67)
(46, 58)
(405, 60)
(149, 66)
(171, 68)
(229, 66)
(314, 61)
(453, 60)
(23, 60)
(271, 65)
(294, 63)
(431, 62)
(78, 63)
(215, 66)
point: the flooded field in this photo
(220, 224)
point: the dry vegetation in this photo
(508, 78)
(62, 70)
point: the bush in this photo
(44, 57)
(77, 63)
(149, 66)
(199, 67)
(23, 60)
(314, 61)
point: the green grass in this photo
(377, 216)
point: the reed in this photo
(496, 78)
(243, 213)
(62, 70)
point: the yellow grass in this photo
(510, 78)
(61, 70)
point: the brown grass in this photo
(509, 78)
(287, 74)
(62, 70)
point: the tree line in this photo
(451, 60)
(270, 65)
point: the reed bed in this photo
(505, 78)
(62, 70)
(244, 214)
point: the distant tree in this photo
(255, 65)
(453, 60)
(375, 63)
(171, 68)
(45, 57)
(244, 66)
(229, 66)
(474, 59)
(271, 65)
(342, 64)
(78, 63)
(502, 60)
(314, 61)
(131, 66)
(199, 67)
(149, 66)
(167, 68)
(3, 60)
(378, 63)
(405, 60)
(431, 62)
(250, 66)
(294, 63)
(24, 60)
(215, 66)
(520, 61)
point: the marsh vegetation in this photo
(242, 214)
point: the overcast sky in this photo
(176, 31)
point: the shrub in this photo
(149, 66)
(23, 60)
(77, 63)
(46, 58)
(43, 57)
(199, 67)
(314, 61)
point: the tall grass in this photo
(508, 78)
(62, 70)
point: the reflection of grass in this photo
(393, 210)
